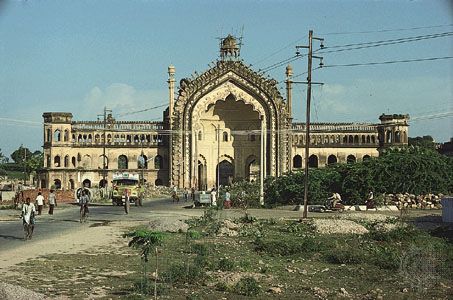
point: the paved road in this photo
(66, 217)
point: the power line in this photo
(388, 62)
(382, 43)
(434, 35)
(278, 51)
(140, 111)
(388, 30)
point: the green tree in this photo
(425, 141)
(3, 159)
(21, 154)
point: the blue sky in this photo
(79, 56)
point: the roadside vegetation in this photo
(263, 259)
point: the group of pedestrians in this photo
(30, 210)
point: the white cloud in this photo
(123, 98)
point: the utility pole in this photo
(307, 125)
(25, 165)
(104, 142)
(218, 159)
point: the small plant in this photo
(225, 264)
(286, 245)
(146, 240)
(345, 256)
(247, 286)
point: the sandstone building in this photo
(227, 123)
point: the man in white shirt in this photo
(28, 218)
(40, 202)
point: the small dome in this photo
(229, 47)
(229, 42)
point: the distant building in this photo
(227, 123)
(446, 148)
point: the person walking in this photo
(40, 202)
(192, 194)
(83, 201)
(213, 197)
(227, 203)
(28, 218)
(186, 194)
(52, 201)
(127, 204)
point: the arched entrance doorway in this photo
(86, 183)
(225, 173)
(202, 184)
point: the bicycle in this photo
(83, 213)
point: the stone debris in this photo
(167, 225)
(338, 226)
(14, 292)
(228, 228)
(275, 290)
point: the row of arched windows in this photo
(58, 136)
(313, 160)
(85, 161)
(336, 139)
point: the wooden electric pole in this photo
(307, 124)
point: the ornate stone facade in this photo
(227, 123)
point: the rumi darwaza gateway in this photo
(226, 123)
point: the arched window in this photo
(331, 160)
(57, 135)
(158, 162)
(368, 139)
(297, 162)
(313, 161)
(373, 139)
(356, 139)
(397, 137)
(252, 137)
(109, 138)
(200, 135)
(97, 138)
(389, 136)
(345, 139)
(351, 139)
(48, 160)
(66, 135)
(351, 159)
(79, 138)
(57, 184)
(122, 162)
(136, 139)
(66, 161)
(142, 162)
(57, 161)
(86, 183)
(73, 160)
(366, 157)
(49, 135)
(102, 183)
(71, 184)
(225, 136)
(363, 139)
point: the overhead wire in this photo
(388, 62)
(387, 30)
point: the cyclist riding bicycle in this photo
(84, 200)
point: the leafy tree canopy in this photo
(425, 141)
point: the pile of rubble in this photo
(407, 200)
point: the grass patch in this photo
(305, 264)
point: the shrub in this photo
(247, 286)
(345, 256)
(225, 264)
(286, 246)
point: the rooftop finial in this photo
(229, 48)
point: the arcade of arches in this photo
(227, 123)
